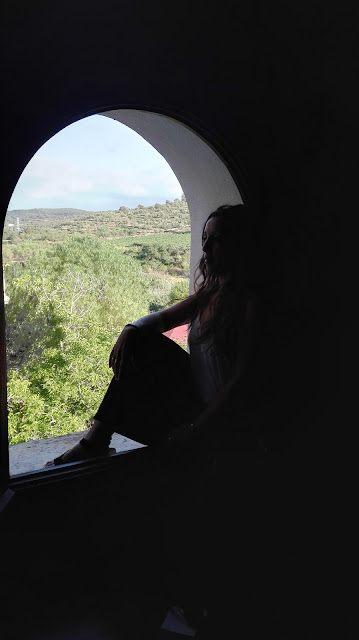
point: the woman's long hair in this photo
(229, 305)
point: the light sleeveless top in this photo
(211, 370)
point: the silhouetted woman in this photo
(161, 395)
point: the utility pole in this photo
(18, 225)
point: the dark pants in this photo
(155, 395)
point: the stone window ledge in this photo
(31, 456)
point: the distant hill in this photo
(56, 224)
(34, 215)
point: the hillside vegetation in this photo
(74, 279)
(54, 224)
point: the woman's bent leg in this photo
(155, 396)
(148, 400)
(99, 434)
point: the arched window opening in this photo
(74, 276)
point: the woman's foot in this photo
(84, 450)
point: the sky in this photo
(96, 164)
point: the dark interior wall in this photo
(261, 80)
(269, 86)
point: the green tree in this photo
(179, 292)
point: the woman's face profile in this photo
(218, 246)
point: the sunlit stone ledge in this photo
(31, 456)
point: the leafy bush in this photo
(178, 292)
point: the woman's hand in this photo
(122, 352)
(180, 438)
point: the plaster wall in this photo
(204, 178)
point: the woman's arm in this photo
(174, 316)
(158, 322)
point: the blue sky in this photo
(96, 164)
